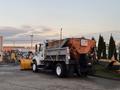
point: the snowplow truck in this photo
(66, 57)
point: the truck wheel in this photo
(70, 71)
(34, 67)
(60, 70)
(78, 72)
(84, 74)
(92, 71)
(81, 74)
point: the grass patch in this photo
(102, 71)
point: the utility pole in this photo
(14, 43)
(31, 36)
(119, 51)
(60, 37)
(61, 34)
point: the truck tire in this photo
(84, 74)
(92, 71)
(77, 71)
(60, 70)
(81, 74)
(34, 67)
(70, 71)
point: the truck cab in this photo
(39, 56)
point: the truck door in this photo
(41, 52)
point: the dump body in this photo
(77, 46)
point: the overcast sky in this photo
(76, 17)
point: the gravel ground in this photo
(12, 78)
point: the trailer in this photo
(65, 57)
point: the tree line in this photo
(101, 51)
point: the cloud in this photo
(10, 31)
(22, 34)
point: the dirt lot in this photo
(11, 78)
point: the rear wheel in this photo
(80, 73)
(77, 71)
(60, 70)
(34, 67)
(70, 71)
(84, 74)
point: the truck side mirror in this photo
(46, 44)
(39, 47)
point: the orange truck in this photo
(65, 57)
